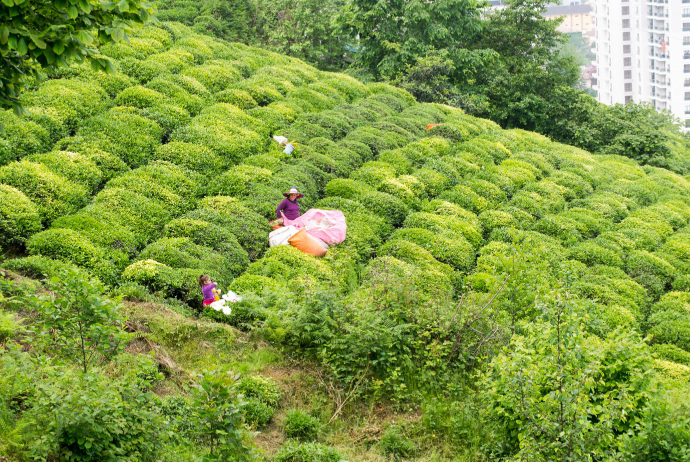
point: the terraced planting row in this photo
(151, 210)
(542, 213)
(167, 169)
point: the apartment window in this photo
(686, 26)
(687, 109)
(687, 122)
(686, 54)
(628, 87)
(686, 40)
(686, 68)
(626, 35)
(628, 99)
(627, 61)
(626, 48)
(687, 96)
(628, 74)
(687, 82)
(626, 10)
(686, 12)
(626, 23)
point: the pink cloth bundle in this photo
(327, 225)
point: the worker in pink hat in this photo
(289, 206)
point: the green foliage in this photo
(261, 388)
(249, 227)
(303, 30)
(168, 116)
(239, 98)
(229, 21)
(637, 131)
(19, 216)
(456, 252)
(661, 435)
(142, 370)
(394, 445)
(182, 252)
(96, 419)
(41, 41)
(672, 353)
(293, 451)
(70, 245)
(300, 425)
(75, 167)
(540, 391)
(591, 253)
(132, 137)
(39, 267)
(115, 239)
(192, 156)
(52, 193)
(77, 322)
(21, 137)
(171, 282)
(9, 327)
(257, 414)
(218, 416)
(376, 26)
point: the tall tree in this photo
(523, 81)
(232, 20)
(303, 29)
(394, 34)
(40, 34)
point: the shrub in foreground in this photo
(301, 425)
(96, 419)
(293, 451)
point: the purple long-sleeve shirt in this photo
(289, 208)
(208, 291)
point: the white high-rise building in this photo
(643, 53)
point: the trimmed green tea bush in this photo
(133, 137)
(19, 217)
(40, 267)
(75, 167)
(21, 138)
(53, 195)
(249, 227)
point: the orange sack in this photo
(307, 244)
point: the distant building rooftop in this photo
(562, 10)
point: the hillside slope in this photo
(461, 239)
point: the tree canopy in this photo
(40, 34)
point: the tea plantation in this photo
(498, 297)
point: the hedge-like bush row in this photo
(179, 142)
(259, 189)
(108, 141)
